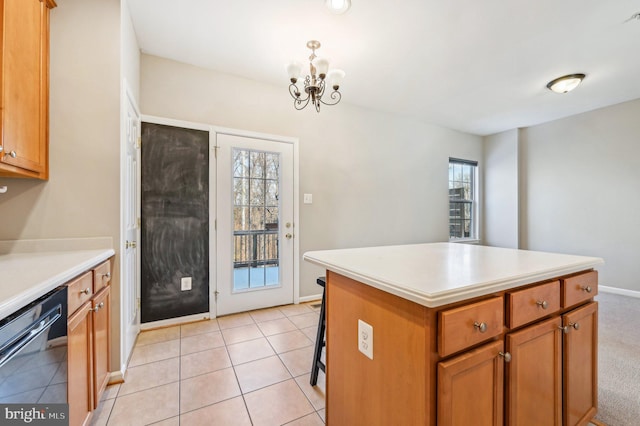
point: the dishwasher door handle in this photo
(29, 334)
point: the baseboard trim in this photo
(174, 321)
(116, 377)
(620, 291)
(311, 298)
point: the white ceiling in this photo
(476, 66)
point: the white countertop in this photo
(441, 273)
(26, 276)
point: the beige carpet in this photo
(618, 360)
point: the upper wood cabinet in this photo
(24, 88)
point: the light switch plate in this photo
(365, 339)
(308, 198)
(185, 283)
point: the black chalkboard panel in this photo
(175, 221)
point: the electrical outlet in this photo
(365, 339)
(185, 283)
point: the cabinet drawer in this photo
(461, 327)
(79, 291)
(579, 288)
(101, 276)
(532, 303)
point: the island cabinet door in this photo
(534, 375)
(580, 364)
(471, 388)
(79, 390)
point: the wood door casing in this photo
(534, 375)
(580, 365)
(101, 305)
(80, 371)
(471, 388)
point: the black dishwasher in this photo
(33, 352)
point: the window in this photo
(462, 199)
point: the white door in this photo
(130, 214)
(255, 228)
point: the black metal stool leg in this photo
(320, 342)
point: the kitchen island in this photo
(460, 334)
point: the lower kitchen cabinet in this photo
(580, 364)
(470, 388)
(88, 333)
(101, 308)
(80, 365)
(549, 360)
(534, 375)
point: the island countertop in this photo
(437, 274)
(26, 276)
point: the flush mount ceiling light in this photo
(315, 83)
(338, 6)
(565, 83)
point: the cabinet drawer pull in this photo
(480, 326)
(567, 328)
(97, 308)
(543, 304)
(107, 275)
(506, 356)
(586, 288)
(86, 291)
(11, 154)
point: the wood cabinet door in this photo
(471, 388)
(80, 371)
(101, 325)
(25, 89)
(534, 375)
(580, 364)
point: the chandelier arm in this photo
(335, 98)
(300, 104)
(294, 91)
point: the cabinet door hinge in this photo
(215, 151)
(138, 303)
(139, 142)
(216, 293)
(138, 222)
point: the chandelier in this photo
(316, 82)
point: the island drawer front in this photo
(79, 291)
(579, 288)
(101, 276)
(530, 304)
(465, 326)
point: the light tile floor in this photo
(244, 369)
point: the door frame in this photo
(216, 130)
(127, 100)
(213, 198)
(212, 203)
(294, 142)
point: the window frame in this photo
(474, 219)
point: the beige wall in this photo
(500, 167)
(82, 196)
(375, 178)
(580, 186)
(576, 181)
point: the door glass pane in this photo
(256, 184)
